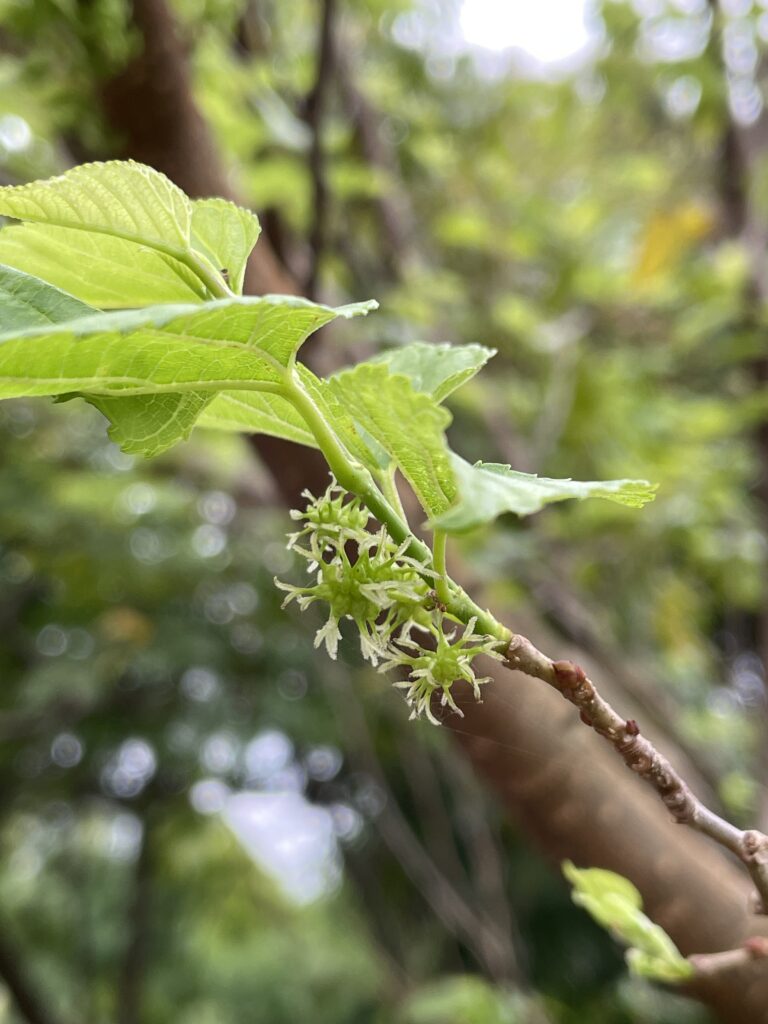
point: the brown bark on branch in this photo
(564, 791)
(711, 965)
(642, 757)
(567, 612)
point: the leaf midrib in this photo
(127, 387)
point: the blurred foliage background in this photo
(204, 821)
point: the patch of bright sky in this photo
(549, 31)
(293, 840)
(536, 38)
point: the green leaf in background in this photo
(132, 220)
(464, 999)
(407, 425)
(27, 301)
(616, 904)
(437, 370)
(256, 412)
(164, 348)
(488, 489)
(226, 234)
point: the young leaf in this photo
(407, 425)
(437, 370)
(615, 903)
(26, 301)
(487, 490)
(598, 883)
(256, 412)
(665, 969)
(128, 203)
(224, 344)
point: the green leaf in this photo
(226, 234)
(162, 350)
(120, 198)
(596, 883)
(437, 370)
(27, 301)
(257, 412)
(657, 968)
(260, 412)
(407, 425)
(132, 222)
(488, 490)
(150, 424)
(616, 904)
(106, 272)
(463, 999)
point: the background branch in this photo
(25, 995)
(491, 947)
(315, 109)
(136, 956)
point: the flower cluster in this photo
(434, 671)
(369, 578)
(327, 521)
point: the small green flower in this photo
(381, 588)
(435, 671)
